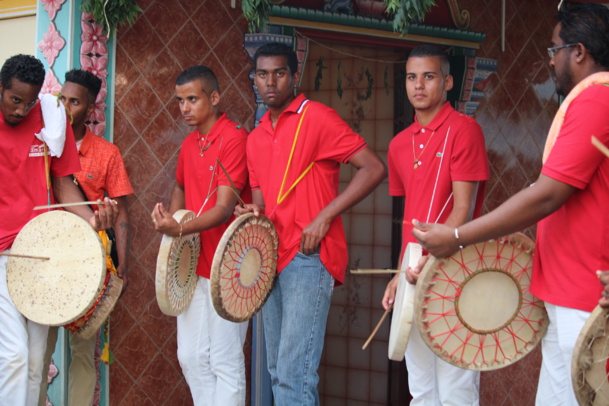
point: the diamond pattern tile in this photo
(169, 36)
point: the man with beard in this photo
(570, 199)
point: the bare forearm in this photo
(65, 191)
(522, 210)
(178, 200)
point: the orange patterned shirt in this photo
(103, 171)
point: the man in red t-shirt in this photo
(569, 199)
(23, 174)
(294, 157)
(210, 348)
(439, 164)
(103, 174)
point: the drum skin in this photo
(62, 289)
(244, 267)
(589, 366)
(474, 309)
(176, 266)
(403, 309)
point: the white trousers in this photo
(22, 345)
(210, 351)
(433, 381)
(555, 386)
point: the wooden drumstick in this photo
(5, 254)
(600, 146)
(377, 327)
(382, 271)
(54, 206)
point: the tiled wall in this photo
(349, 375)
(167, 38)
(170, 36)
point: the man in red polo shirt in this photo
(294, 157)
(569, 201)
(210, 348)
(103, 174)
(439, 164)
(24, 184)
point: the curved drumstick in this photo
(54, 206)
(382, 271)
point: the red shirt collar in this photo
(437, 121)
(294, 107)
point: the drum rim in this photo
(18, 245)
(215, 277)
(582, 356)
(163, 270)
(396, 346)
(517, 239)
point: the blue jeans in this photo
(294, 318)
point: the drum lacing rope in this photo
(238, 297)
(500, 340)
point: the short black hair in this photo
(24, 68)
(278, 49)
(423, 51)
(86, 79)
(202, 73)
(586, 23)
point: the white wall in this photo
(18, 37)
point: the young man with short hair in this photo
(439, 164)
(23, 173)
(103, 174)
(294, 157)
(210, 348)
(568, 201)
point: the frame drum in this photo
(403, 310)
(61, 289)
(474, 308)
(176, 268)
(590, 363)
(244, 267)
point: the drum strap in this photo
(435, 187)
(281, 197)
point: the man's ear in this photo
(448, 83)
(296, 79)
(215, 98)
(90, 109)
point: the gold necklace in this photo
(416, 162)
(205, 146)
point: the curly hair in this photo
(87, 80)
(588, 24)
(24, 68)
(278, 49)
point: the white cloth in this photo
(555, 386)
(210, 351)
(433, 381)
(54, 117)
(22, 345)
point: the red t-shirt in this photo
(451, 148)
(573, 242)
(24, 184)
(103, 171)
(324, 139)
(200, 175)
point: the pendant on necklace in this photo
(416, 164)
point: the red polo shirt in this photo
(573, 242)
(450, 148)
(200, 175)
(103, 171)
(327, 141)
(24, 184)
